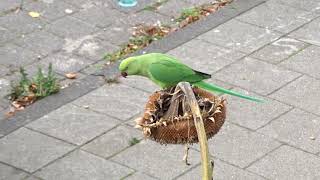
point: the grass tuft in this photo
(29, 90)
(134, 141)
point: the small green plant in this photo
(193, 12)
(29, 90)
(134, 141)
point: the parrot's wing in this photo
(173, 72)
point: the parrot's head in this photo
(129, 67)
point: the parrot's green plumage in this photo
(166, 71)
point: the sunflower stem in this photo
(206, 164)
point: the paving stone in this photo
(296, 128)
(308, 32)
(21, 23)
(10, 173)
(5, 87)
(49, 9)
(65, 62)
(173, 8)
(115, 101)
(302, 93)
(32, 177)
(148, 17)
(113, 141)
(256, 76)
(204, 56)
(99, 16)
(251, 114)
(239, 146)
(73, 124)
(238, 7)
(288, 163)
(8, 5)
(13, 55)
(139, 176)
(70, 27)
(80, 165)
(40, 42)
(313, 5)
(4, 71)
(92, 48)
(85, 4)
(305, 61)
(275, 16)
(240, 36)
(6, 35)
(94, 68)
(222, 171)
(23, 150)
(279, 50)
(141, 83)
(118, 33)
(155, 159)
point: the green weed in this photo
(134, 141)
(35, 88)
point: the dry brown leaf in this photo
(16, 105)
(9, 114)
(71, 75)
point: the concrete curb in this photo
(94, 81)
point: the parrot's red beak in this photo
(124, 74)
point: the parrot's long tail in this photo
(212, 87)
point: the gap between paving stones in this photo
(94, 81)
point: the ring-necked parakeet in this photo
(166, 71)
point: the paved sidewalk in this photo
(271, 51)
(71, 34)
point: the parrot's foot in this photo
(186, 155)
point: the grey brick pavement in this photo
(92, 29)
(89, 138)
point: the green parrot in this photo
(166, 71)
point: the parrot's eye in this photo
(124, 74)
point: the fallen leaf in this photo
(15, 104)
(34, 14)
(71, 75)
(9, 114)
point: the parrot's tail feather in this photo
(212, 87)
